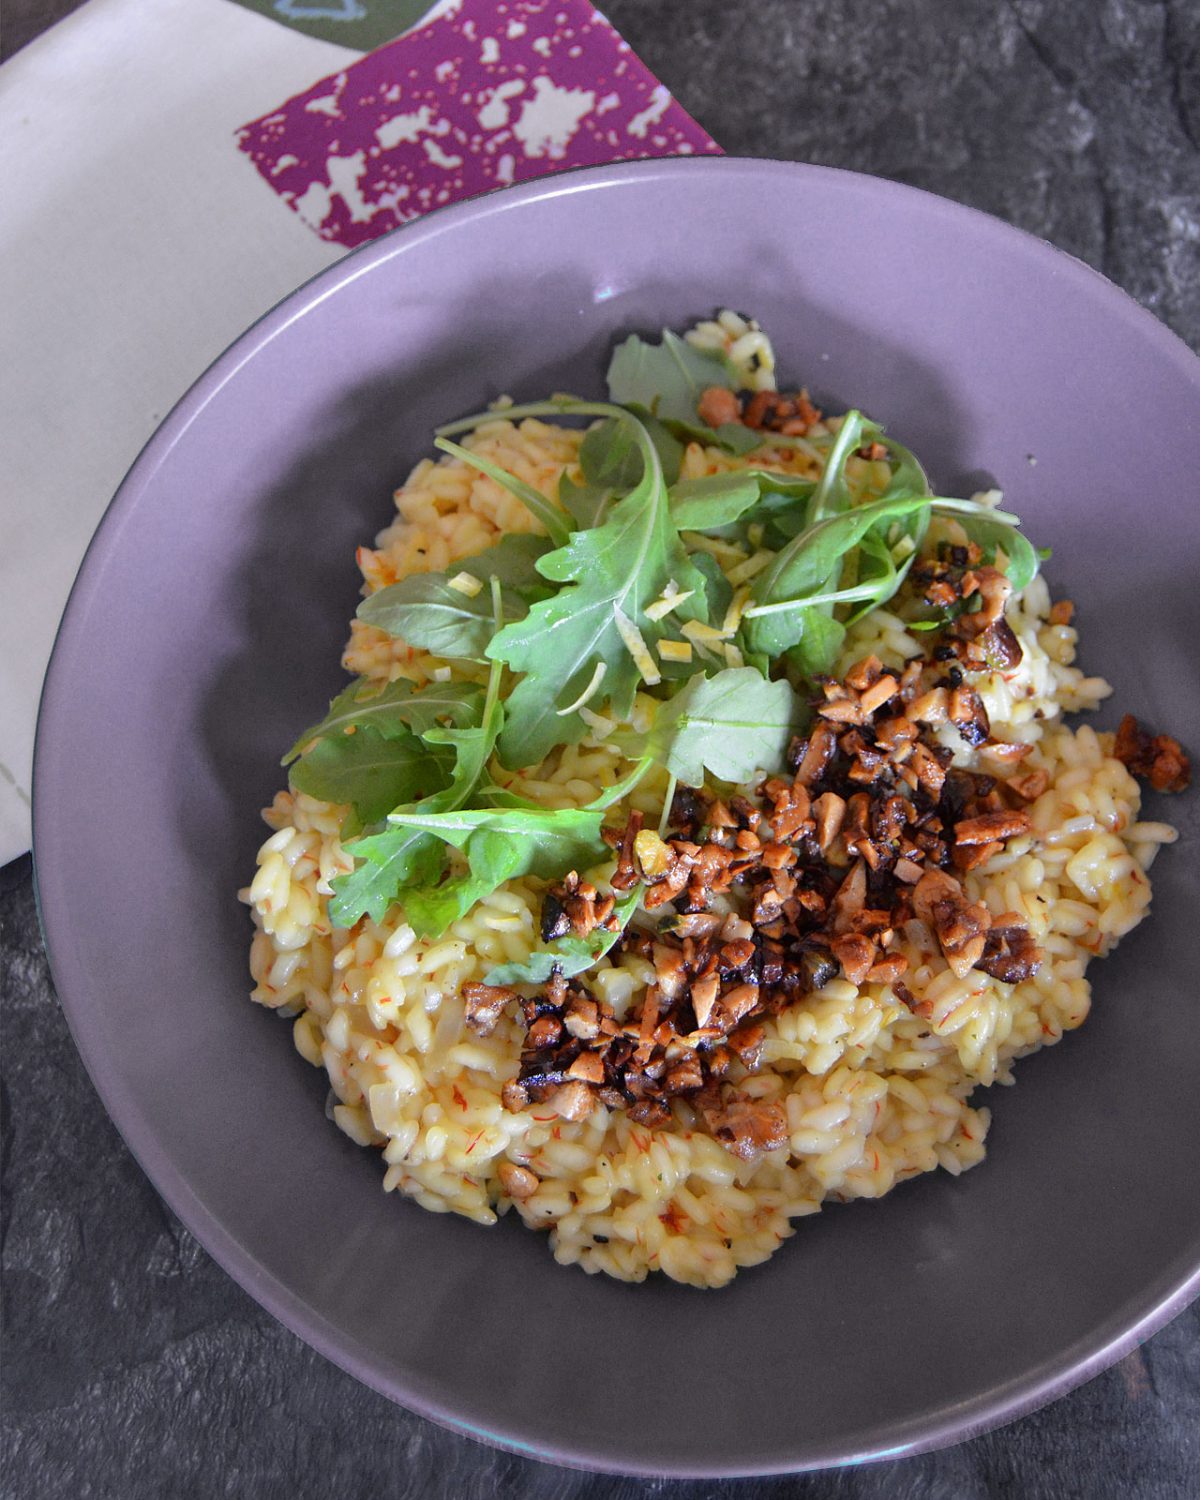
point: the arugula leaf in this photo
(611, 454)
(371, 773)
(506, 839)
(569, 955)
(586, 504)
(401, 857)
(666, 378)
(713, 503)
(908, 475)
(542, 837)
(620, 789)
(803, 575)
(782, 510)
(714, 500)
(733, 725)
(390, 861)
(832, 493)
(473, 746)
(817, 649)
(718, 591)
(512, 561)
(733, 437)
(610, 462)
(622, 565)
(426, 612)
(392, 710)
(610, 458)
(500, 844)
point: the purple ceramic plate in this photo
(206, 625)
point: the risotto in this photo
(701, 830)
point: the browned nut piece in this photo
(991, 826)
(717, 405)
(589, 1066)
(863, 673)
(1030, 786)
(573, 1100)
(879, 693)
(518, 1183)
(830, 812)
(855, 953)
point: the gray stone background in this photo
(133, 1367)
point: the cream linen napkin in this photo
(136, 242)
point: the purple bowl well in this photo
(206, 624)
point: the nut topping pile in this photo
(769, 898)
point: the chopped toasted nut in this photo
(485, 1004)
(1062, 612)
(932, 708)
(994, 590)
(704, 996)
(994, 825)
(818, 750)
(762, 406)
(717, 406)
(765, 904)
(830, 811)
(739, 1001)
(850, 899)
(864, 673)
(959, 925)
(843, 711)
(968, 715)
(747, 1043)
(518, 1183)
(582, 1017)
(999, 646)
(546, 1031)
(1157, 758)
(1030, 786)
(625, 877)
(855, 953)
(1010, 953)
(878, 694)
(696, 924)
(999, 755)
(972, 856)
(736, 929)
(687, 1074)
(888, 969)
(778, 856)
(737, 953)
(514, 1096)
(747, 1127)
(589, 1066)
(572, 1101)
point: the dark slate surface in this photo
(133, 1367)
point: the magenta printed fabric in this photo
(488, 93)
